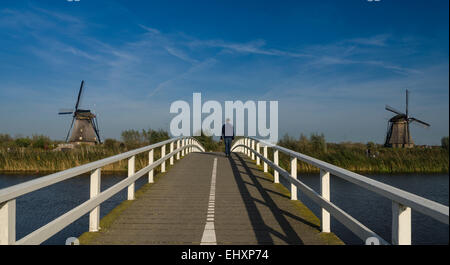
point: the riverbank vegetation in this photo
(367, 158)
(35, 154)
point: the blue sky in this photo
(332, 65)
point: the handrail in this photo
(8, 195)
(402, 200)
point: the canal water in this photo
(40, 207)
(375, 211)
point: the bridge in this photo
(206, 198)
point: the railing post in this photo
(401, 224)
(253, 148)
(190, 148)
(131, 167)
(325, 192)
(258, 161)
(265, 156)
(94, 215)
(182, 145)
(276, 174)
(294, 175)
(163, 154)
(178, 146)
(171, 150)
(8, 222)
(151, 154)
(248, 145)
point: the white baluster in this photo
(8, 222)
(94, 215)
(253, 148)
(325, 192)
(131, 168)
(265, 156)
(294, 175)
(258, 160)
(151, 155)
(401, 224)
(171, 150)
(163, 154)
(276, 175)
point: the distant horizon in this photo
(332, 66)
(215, 138)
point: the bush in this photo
(208, 142)
(22, 142)
(153, 136)
(40, 141)
(111, 144)
(5, 138)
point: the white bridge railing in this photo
(184, 145)
(402, 201)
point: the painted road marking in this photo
(209, 234)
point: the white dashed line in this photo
(209, 234)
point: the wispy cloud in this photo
(170, 82)
(254, 47)
(378, 40)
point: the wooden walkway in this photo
(247, 208)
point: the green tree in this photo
(318, 142)
(444, 142)
(303, 142)
(132, 139)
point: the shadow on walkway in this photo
(263, 236)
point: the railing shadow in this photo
(263, 236)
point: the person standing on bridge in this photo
(227, 136)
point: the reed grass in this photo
(39, 160)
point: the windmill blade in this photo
(65, 111)
(67, 137)
(79, 95)
(407, 101)
(419, 121)
(95, 125)
(389, 108)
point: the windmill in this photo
(398, 133)
(85, 130)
